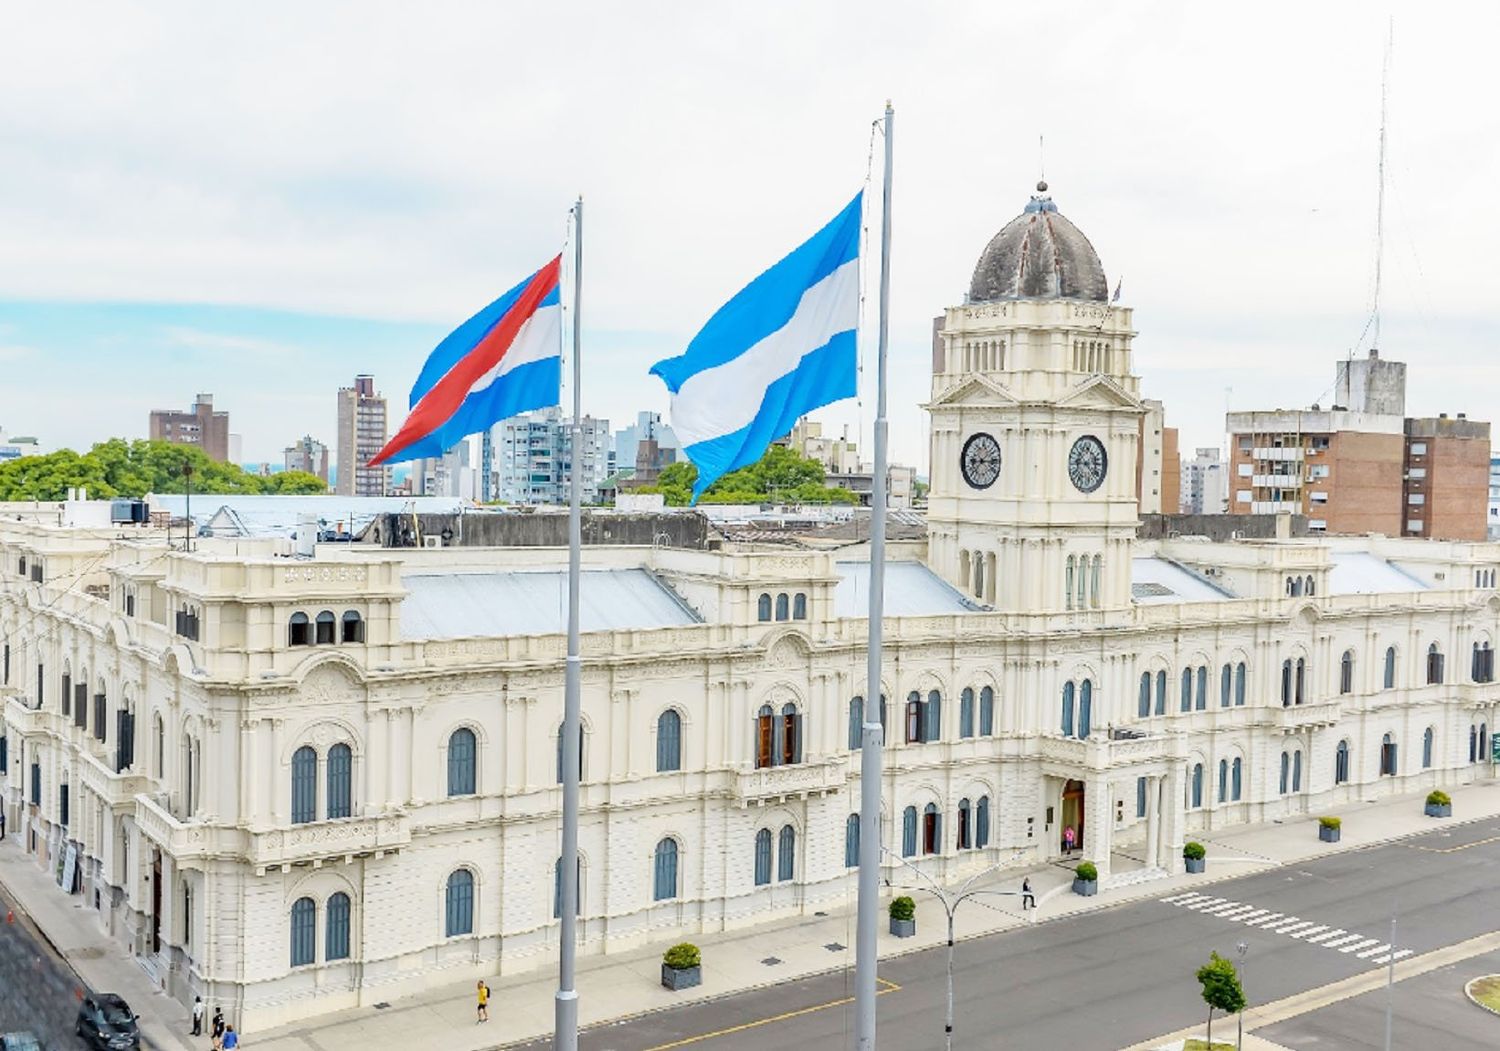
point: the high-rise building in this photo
(451, 474)
(1158, 468)
(361, 436)
(1205, 489)
(1362, 466)
(648, 426)
(536, 458)
(308, 454)
(200, 426)
(15, 446)
(1493, 529)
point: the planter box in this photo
(1195, 864)
(686, 978)
(1086, 887)
(1329, 835)
(1439, 809)
(903, 928)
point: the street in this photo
(1104, 980)
(38, 990)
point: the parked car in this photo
(20, 1042)
(106, 1022)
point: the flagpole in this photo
(565, 1033)
(871, 738)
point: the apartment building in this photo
(361, 435)
(199, 425)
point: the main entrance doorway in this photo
(1072, 817)
(156, 901)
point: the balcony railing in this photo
(324, 840)
(796, 781)
(1303, 716)
(117, 791)
(1099, 752)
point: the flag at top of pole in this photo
(779, 349)
(505, 360)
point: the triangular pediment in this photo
(1099, 392)
(975, 390)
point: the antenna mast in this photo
(1385, 78)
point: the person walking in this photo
(231, 1038)
(216, 1030)
(1069, 838)
(197, 1016)
(1028, 899)
(484, 1001)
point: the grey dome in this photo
(1039, 255)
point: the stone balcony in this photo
(26, 720)
(323, 841)
(775, 784)
(116, 791)
(1299, 717)
(1100, 753)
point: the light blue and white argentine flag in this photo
(781, 348)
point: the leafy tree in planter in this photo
(1221, 989)
(903, 908)
(682, 957)
(1086, 872)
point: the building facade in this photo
(1205, 485)
(534, 453)
(361, 435)
(298, 784)
(200, 426)
(310, 455)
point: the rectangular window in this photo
(1242, 496)
(1417, 472)
(1416, 498)
(1245, 470)
(1140, 797)
(1419, 448)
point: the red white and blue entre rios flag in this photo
(505, 360)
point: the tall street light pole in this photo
(1240, 950)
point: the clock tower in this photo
(1035, 426)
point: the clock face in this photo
(980, 461)
(1087, 463)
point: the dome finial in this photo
(1041, 186)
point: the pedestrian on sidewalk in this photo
(1028, 899)
(484, 1001)
(197, 1016)
(231, 1038)
(217, 1029)
(1069, 838)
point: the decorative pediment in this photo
(1099, 391)
(974, 390)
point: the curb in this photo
(1469, 992)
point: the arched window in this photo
(1434, 664)
(1301, 679)
(982, 823)
(336, 928)
(1140, 797)
(765, 737)
(909, 832)
(1286, 768)
(1081, 594)
(304, 785)
(1197, 785)
(799, 606)
(1067, 709)
(1387, 756)
(1286, 683)
(560, 753)
(791, 735)
(1239, 684)
(1390, 667)
(856, 723)
(1068, 581)
(1235, 772)
(1473, 743)
(1484, 743)
(1311, 586)
(781, 606)
(297, 633)
(304, 931)
(966, 712)
(986, 711)
(851, 842)
(932, 717)
(763, 608)
(1296, 587)
(1161, 693)
(664, 884)
(1484, 662)
(668, 741)
(1143, 705)
(1085, 706)
(460, 903)
(763, 857)
(1288, 587)
(1202, 687)
(340, 779)
(1226, 683)
(1094, 583)
(913, 717)
(352, 627)
(1341, 763)
(1187, 690)
(964, 842)
(462, 746)
(557, 888)
(1427, 748)
(786, 853)
(932, 829)
(1223, 780)
(1297, 770)
(324, 628)
(1346, 672)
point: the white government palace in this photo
(294, 783)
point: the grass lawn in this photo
(1198, 1045)
(1487, 991)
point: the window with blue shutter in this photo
(1140, 797)
(851, 841)
(1067, 709)
(1239, 684)
(340, 778)
(462, 749)
(909, 832)
(966, 713)
(982, 823)
(986, 712)
(1085, 707)
(459, 911)
(668, 741)
(304, 932)
(856, 723)
(763, 857)
(1234, 779)
(1161, 693)
(1426, 749)
(665, 881)
(1187, 690)
(336, 932)
(786, 853)
(1143, 706)
(304, 785)
(1226, 681)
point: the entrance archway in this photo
(1072, 816)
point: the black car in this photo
(105, 1021)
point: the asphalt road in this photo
(37, 987)
(1103, 980)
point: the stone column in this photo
(1098, 823)
(1153, 822)
(1173, 818)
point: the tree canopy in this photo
(782, 475)
(1221, 989)
(133, 469)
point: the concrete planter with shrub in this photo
(1438, 804)
(681, 967)
(1193, 857)
(1086, 879)
(903, 917)
(1329, 829)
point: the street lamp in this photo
(187, 479)
(1240, 950)
(950, 903)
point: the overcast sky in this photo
(260, 202)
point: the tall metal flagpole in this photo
(872, 734)
(565, 1032)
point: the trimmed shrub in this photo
(1193, 851)
(1331, 822)
(903, 908)
(1438, 798)
(682, 957)
(1086, 872)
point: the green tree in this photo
(1221, 989)
(782, 474)
(294, 483)
(133, 469)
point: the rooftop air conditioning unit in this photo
(432, 541)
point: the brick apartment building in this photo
(200, 426)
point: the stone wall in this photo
(1216, 527)
(686, 529)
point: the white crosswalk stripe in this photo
(1359, 946)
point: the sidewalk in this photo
(617, 986)
(102, 963)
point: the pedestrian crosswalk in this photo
(1339, 940)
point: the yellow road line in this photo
(890, 987)
(1450, 850)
